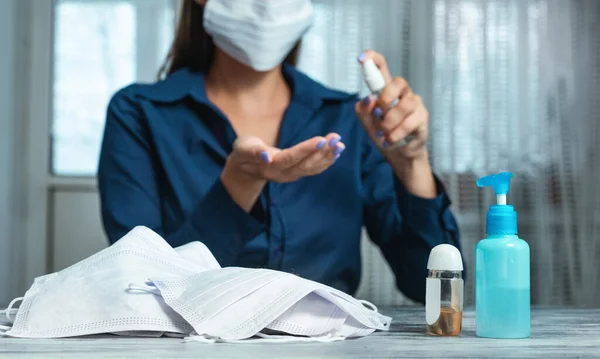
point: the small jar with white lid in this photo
(444, 291)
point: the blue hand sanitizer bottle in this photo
(502, 287)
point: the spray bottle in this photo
(376, 82)
(444, 291)
(502, 286)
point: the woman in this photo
(238, 149)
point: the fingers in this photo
(397, 123)
(397, 114)
(327, 152)
(322, 159)
(363, 109)
(396, 129)
(294, 155)
(308, 158)
(393, 92)
(253, 149)
(365, 106)
(404, 127)
(266, 155)
(379, 60)
(413, 148)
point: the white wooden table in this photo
(555, 333)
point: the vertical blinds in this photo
(514, 86)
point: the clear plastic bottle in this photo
(444, 291)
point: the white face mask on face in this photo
(91, 297)
(257, 33)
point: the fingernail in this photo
(321, 144)
(334, 141)
(366, 100)
(338, 150)
(362, 57)
(377, 113)
(336, 157)
(379, 134)
(264, 156)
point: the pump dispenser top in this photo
(501, 218)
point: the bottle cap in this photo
(501, 218)
(445, 257)
(373, 76)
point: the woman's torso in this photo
(314, 223)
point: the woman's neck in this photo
(231, 80)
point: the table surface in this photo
(555, 333)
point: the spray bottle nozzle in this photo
(499, 182)
(373, 76)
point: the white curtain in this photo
(510, 85)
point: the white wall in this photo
(11, 92)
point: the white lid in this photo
(445, 257)
(373, 76)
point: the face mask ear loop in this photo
(10, 306)
(140, 288)
(4, 330)
(204, 338)
(327, 338)
(368, 305)
(264, 338)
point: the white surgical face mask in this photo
(312, 316)
(360, 318)
(233, 304)
(202, 297)
(258, 33)
(356, 321)
(198, 256)
(91, 297)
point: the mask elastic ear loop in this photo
(3, 330)
(10, 307)
(143, 288)
(327, 338)
(264, 338)
(369, 305)
(204, 338)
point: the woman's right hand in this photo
(252, 163)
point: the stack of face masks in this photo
(140, 286)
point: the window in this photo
(100, 46)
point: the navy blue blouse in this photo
(165, 145)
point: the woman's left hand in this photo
(389, 124)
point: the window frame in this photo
(39, 181)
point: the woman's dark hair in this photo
(193, 47)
